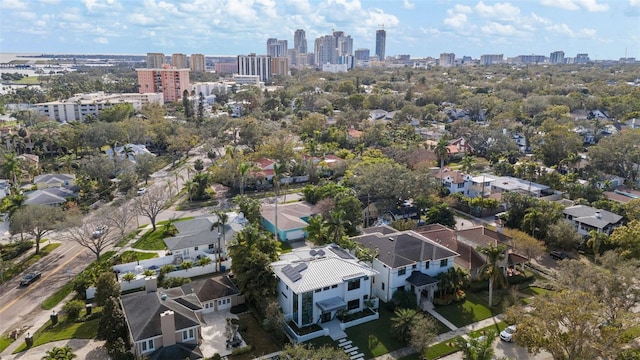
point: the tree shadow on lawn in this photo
(471, 310)
(374, 338)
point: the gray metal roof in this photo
(591, 216)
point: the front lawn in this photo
(151, 240)
(474, 308)
(496, 328)
(5, 341)
(64, 330)
(373, 338)
(131, 256)
(441, 349)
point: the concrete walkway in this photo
(462, 331)
(442, 319)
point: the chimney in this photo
(499, 226)
(598, 215)
(168, 328)
(150, 284)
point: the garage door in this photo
(295, 235)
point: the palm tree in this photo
(402, 321)
(491, 269)
(571, 161)
(338, 224)
(278, 171)
(11, 167)
(190, 186)
(317, 230)
(222, 218)
(16, 201)
(243, 168)
(531, 220)
(478, 348)
(60, 353)
(595, 241)
(467, 163)
(442, 153)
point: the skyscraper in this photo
(253, 64)
(155, 60)
(300, 41)
(325, 50)
(171, 82)
(381, 40)
(362, 54)
(447, 59)
(276, 48)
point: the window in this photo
(325, 288)
(460, 185)
(353, 304)
(402, 271)
(334, 286)
(318, 290)
(210, 246)
(144, 346)
(382, 286)
(195, 248)
(426, 264)
(187, 335)
(414, 266)
(353, 284)
(444, 262)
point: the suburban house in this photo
(587, 218)
(54, 180)
(161, 327)
(52, 196)
(292, 219)
(130, 151)
(459, 147)
(405, 260)
(214, 294)
(316, 284)
(481, 185)
(266, 167)
(623, 195)
(454, 180)
(507, 183)
(199, 237)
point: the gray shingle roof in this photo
(591, 216)
(179, 351)
(142, 311)
(197, 232)
(48, 196)
(404, 248)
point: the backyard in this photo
(255, 336)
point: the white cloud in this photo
(502, 11)
(376, 17)
(540, 20)
(50, 2)
(12, 4)
(141, 19)
(564, 29)
(354, 5)
(633, 9)
(101, 40)
(456, 21)
(460, 9)
(302, 6)
(494, 28)
(27, 15)
(408, 5)
(242, 9)
(588, 5)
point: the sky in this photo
(605, 29)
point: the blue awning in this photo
(334, 303)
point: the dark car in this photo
(558, 255)
(29, 278)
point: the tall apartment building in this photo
(530, 59)
(381, 41)
(557, 57)
(300, 41)
(276, 48)
(361, 54)
(491, 59)
(280, 66)
(179, 61)
(171, 82)
(325, 50)
(253, 64)
(447, 59)
(155, 60)
(197, 63)
(226, 67)
(582, 58)
(344, 44)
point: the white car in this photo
(141, 191)
(507, 334)
(100, 230)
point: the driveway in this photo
(213, 337)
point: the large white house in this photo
(315, 283)
(405, 260)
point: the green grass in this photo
(63, 331)
(255, 336)
(373, 338)
(175, 220)
(151, 240)
(127, 238)
(473, 309)
(131, 256)
(441, 349)
(496, 328)
(535, 291)
(5, 341)
(30, 80)
(285, 247)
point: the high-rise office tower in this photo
(179, 61)
(362, 54)
(344, 45)
(325, 50)
(381, 40)
(447, 59)
(155, 60)
(300, 41)
(253, 64)
(557, 57)
(197, 63)
(582, 58)
(276, 48)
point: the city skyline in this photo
(602, 29)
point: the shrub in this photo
(241, 350)
(174, 282)
(128, 276)
(459, 295)
(205, 260)
(149, 272)
(187, 264)
(73, 309)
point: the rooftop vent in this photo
(598, 215)
(391, 238)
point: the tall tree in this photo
(337, 224)
(112, 325)
(92, 234)
(11, 167)
(38, 221)
(402, 321)
(491, 270)
(106, 287)
(221, 224)
(120, 217)
(477, 348)
(441, 151)
(279, 170)
(151, 204)
(317, 230)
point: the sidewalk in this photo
(406, 351)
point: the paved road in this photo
(507, 350)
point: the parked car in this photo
(507, 334)
(30, 277)
(558, 255)
(141, 191)
(100, 230)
